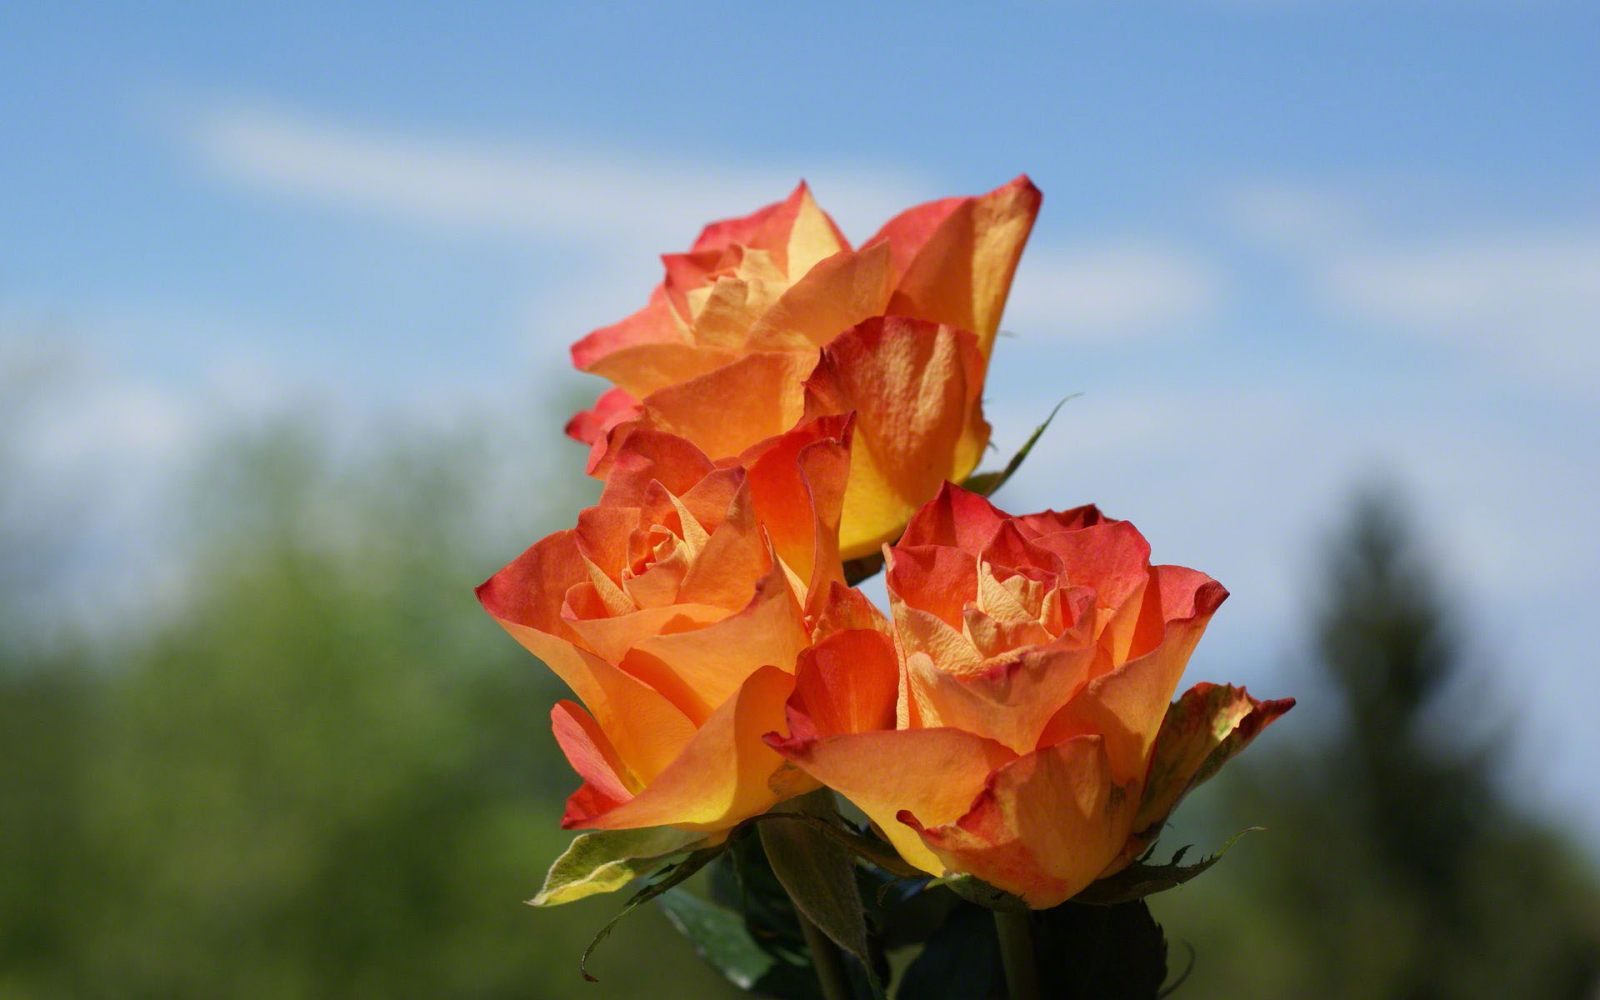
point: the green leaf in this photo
(722, 938)
(818, 874)
(675, 875)
(987, 483)
(607, 860)
(1139, 879)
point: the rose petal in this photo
(739, 405)
(916, 390)
(1127, 705)
(734, 555)
(838, 293)
(797, 482)
(938, 579)
(701, 668)
(1044, 826)
(1010, 701)
(955, 258)
(934, 773)
(646, 729)
(846, 683)
(647, 457)
(591, 426)
(846, 608)
(954, 517)
(1203, 730)
(795, 228)
(596, 761)
(641, 369)
(721, 775)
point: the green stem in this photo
(1016, 951)
(827, 960)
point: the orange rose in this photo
(675, 610)
(1024, 733)
(773, 319)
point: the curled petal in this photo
(1127, 705)
(938, 579)
(838, 293)
(955, 258)
(734, 555)
(916, 389)
(1113, 559)
(934, 773)
(721, 775)
(846, 683)
(737, 406)
(1045, 825)
(647, 731)
(531, 589)
(797, 481)
(845, 608)
(956, 518)
(594, 426)
(796, 231)
(647, 457)
(1010, 701)
(1203, 730)
(595, 760)
(700, 668)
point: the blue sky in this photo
(1285, 246)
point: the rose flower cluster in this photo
(784, 407)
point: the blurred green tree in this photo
(326, 774)
(1394, 866)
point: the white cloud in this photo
(1293, 217)
(1528, 300)
(1111, 290)
(548, 191)
(1523, 299)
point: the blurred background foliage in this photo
(319, 770)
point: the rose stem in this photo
(825, 958)
(825, 955)
(1016, 951)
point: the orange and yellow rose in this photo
(773, 319)
(1014, 723)
(675, 610)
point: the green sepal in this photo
(1142, 879)
(607, 860)
(818, 874)
(986, 483)
(663, 881)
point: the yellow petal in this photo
(932, 773)
(721, 776)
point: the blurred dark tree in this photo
(1393, 865)
(325, 773)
